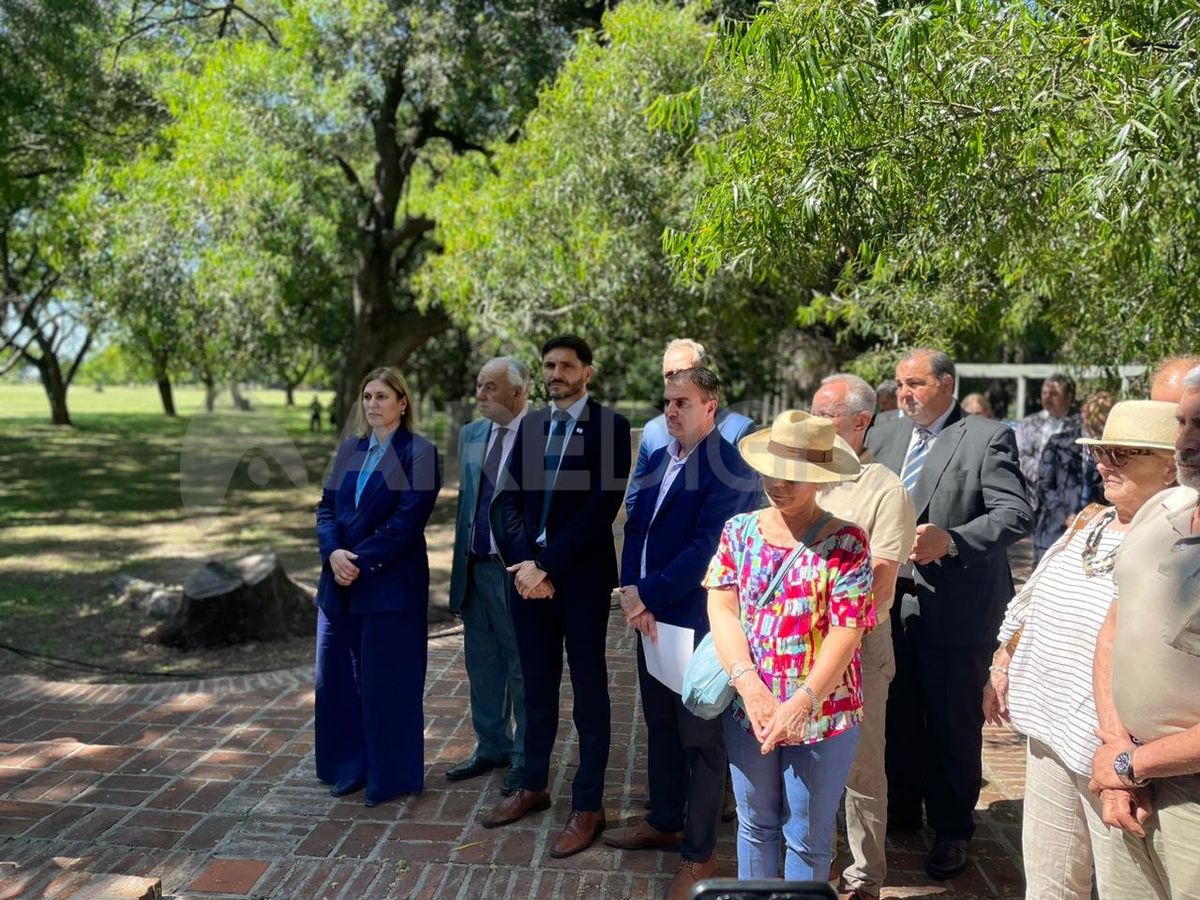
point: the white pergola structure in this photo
(1021, 373)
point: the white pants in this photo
(1165, 864)
(1063, 837)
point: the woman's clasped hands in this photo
(772, 721)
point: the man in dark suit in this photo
(479, 587)
(691, 488)
(965, 482)
(552, 521)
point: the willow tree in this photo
(959, 172)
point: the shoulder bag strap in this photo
(790, 559)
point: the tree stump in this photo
(250, 599)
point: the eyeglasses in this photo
(1117, 457)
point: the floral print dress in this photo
(829, 586)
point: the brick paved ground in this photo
(209, 787)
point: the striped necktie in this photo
(916, 459)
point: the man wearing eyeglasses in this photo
(1145, 676)
(964, 479)
(682, 353)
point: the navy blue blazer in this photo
(715, 485)
(386, 529)
(586, 497)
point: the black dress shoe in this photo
(350, 786)
(474, 767)
(512, 781)
(947, 858)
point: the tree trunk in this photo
(289, 391)
(383, 335)
(167, 396)
(210, 390)
(239, 402)
(163, 378)
(55, 386)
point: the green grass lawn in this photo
(128, 490)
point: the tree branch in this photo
(414, 227)
(87, 344)
(353, 178)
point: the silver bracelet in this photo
(739, 670)
(1003, 669)
(812, 695)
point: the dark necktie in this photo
(554, 449)
(481, 534)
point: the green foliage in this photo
(959, 173)
(561, 229)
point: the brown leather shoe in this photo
(688, 873)
(581, 830)
(514, 807)
(643, 836)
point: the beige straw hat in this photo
(1149, 424)
(800, 447)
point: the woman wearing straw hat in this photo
(789, 599)
(1042, 673)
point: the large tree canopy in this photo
(562, 229)
(960, 172)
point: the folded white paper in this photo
(668, 659)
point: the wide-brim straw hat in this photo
(800, 447)
(1148, 424)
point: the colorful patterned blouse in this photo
(829, 585)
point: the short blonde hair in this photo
(394, 380)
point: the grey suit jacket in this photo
(971, 485)
(472, 445)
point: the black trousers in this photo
(575, 618)
(935, 731)
(688, 765)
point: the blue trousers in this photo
(792, 793)
(576, 619)
(370, 685)
(493, 663)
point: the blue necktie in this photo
(368, 466)
(916, 459)
(554, 449)
(481, 534)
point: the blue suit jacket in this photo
(386, 529)
(714, 486)
(472, 446)
(732, 425)
(586, 496)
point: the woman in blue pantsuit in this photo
(373, 598)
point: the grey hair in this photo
(517, 371)
(860, 396)
(1191, 381)
(886, 388)
(939, 362)
(696, 347)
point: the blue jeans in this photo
(793, 793)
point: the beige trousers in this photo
(1165, 864)
(1063, 838)
(866, 788)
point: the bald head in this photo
(1167, 383)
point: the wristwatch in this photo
(1123, 766)
(951, 547)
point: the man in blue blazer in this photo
(480, 589)
(552, 520)
(681, 353)
(692, 487)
